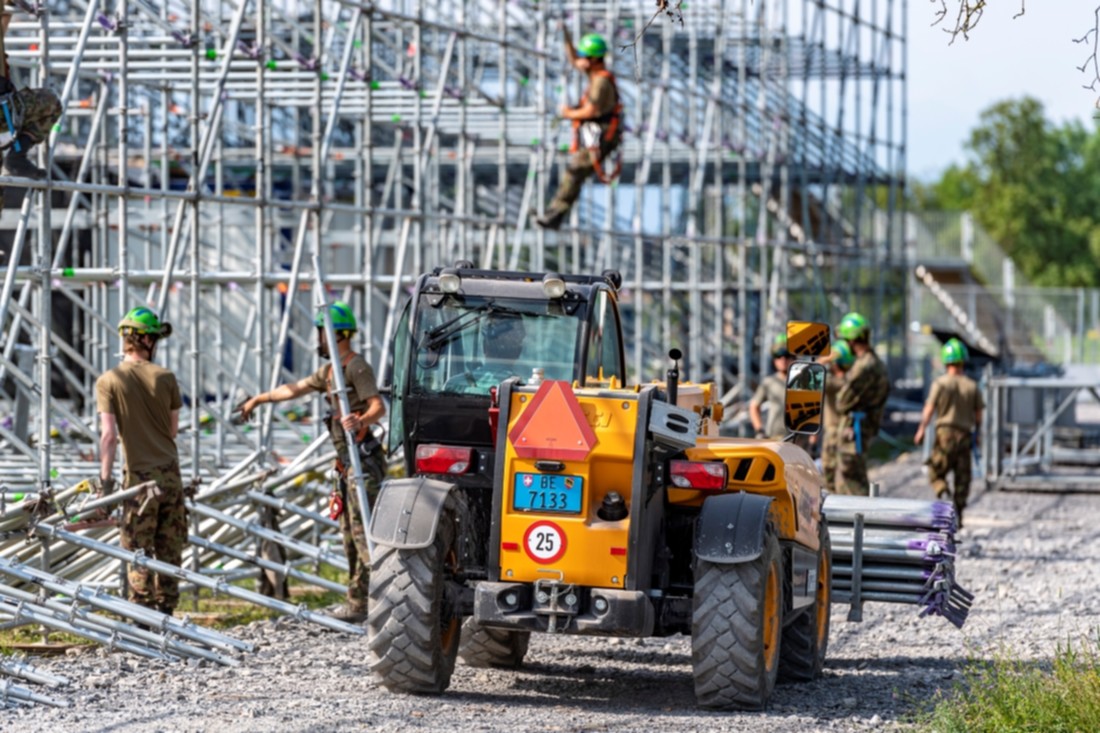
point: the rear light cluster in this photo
(699, 475)
(436, 458)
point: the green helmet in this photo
(954, 352)
(592, 46)
(853, 327)
(142, 320)
(342, 317)
(779, 347)
(842, 354)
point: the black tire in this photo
(412, 637)
(806, 638)
(482, 646)
(737, 616)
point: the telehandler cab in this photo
(547, 496)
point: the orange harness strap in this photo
(613, 119)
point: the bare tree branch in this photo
(1092, 61)
(967, 16)
(663, 6)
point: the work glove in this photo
(105, 486)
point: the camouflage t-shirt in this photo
(141, 395)
(957, 399)
(864, 390)
(361, 384)
(772, 392)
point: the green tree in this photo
(1035, 187)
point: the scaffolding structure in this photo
(219, 159)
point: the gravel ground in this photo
(1031, 559)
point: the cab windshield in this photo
(466, 345)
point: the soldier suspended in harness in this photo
(603, 131)
(597, 128)
(26, 116)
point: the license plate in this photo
(547, 492)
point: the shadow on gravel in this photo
(635, 655)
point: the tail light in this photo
(699, 475)
(435, 458)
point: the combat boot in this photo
(349, 613)
(552, 219)
(18, 165)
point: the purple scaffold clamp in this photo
(184, 39)
(34, 9)
(307, 64)
(251, 50)
(114, 24)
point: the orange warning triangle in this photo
(553, 426)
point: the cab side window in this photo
(604, 347)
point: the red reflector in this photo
(509, 545)
(699, 475)
(618, 550)
(435, 458)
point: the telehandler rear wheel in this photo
(805, 639)
(412, 634)
(735, 629)
(482, 646)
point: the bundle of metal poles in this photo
(62, 567)
(896, 551)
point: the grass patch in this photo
(1010, 696)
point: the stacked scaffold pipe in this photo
(896, 551)
(61, 564)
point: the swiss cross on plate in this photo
(528, 480)
(553, 426)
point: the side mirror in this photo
(805, 338)
(805, 398)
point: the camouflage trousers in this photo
(829, 460)
(581, 165)
(951, 454)
(851, 468)
(353, 531)
(158, 528)
(41, 110)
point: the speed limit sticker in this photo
(544, 542)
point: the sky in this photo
(950, 85)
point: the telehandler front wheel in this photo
(482, 646)
(737, 615)
(412, 634)
(806, 638)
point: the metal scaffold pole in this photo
(227, 162)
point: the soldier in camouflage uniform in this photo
(139, 403)
(860, 403)
(957, 401)
(32, 114)
(597, 125)
(366, 409)
(840, 360)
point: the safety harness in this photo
(592, 134)
(12, 108)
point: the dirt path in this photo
(1032, 560)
